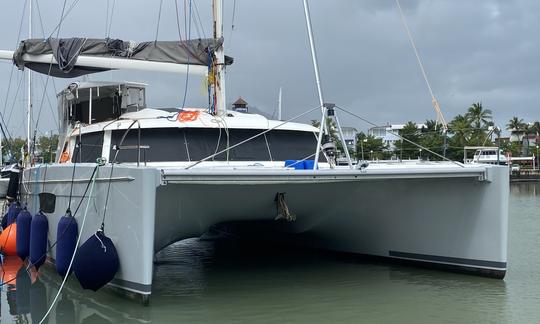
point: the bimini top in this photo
(67, 50)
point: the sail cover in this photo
(66, 51)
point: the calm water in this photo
(202, 281)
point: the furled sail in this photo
(73, 57)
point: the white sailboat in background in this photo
(171, 174)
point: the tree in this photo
(432, 138)
(515, 124)
(478, 116)
(404, 148)
(369, 147)
(46, 147)
(12, 149)
(461, 130)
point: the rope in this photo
(232, 21)
(199, 20)
(110, 175)
(111, 19)
(402, 138)
(159, 20)
(188, 30)
(440, 117)
(47, 82)
(62, 234)
(177, 19)
(251, 138)
(76, 246)
(64, 16)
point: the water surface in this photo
(231, 281)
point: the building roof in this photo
(240, 101)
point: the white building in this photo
(350, 133)
(388, 133)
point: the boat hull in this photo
(448, 216)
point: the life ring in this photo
(188, 116)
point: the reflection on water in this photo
(236, 281)
(525, 189)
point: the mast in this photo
(219, 70)
(29, 90)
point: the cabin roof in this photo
(158, 118)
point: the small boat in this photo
(5, 174)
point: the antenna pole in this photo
(313, 54)
(324, 108)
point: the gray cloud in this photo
(485, 50)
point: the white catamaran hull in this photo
(451, 215)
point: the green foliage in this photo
(45, 149)
(368, 147)
(515, 124)
(404, 149)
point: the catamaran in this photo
(171, 174)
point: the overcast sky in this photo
(481, 50)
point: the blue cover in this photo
(24, 222)
(308, 164)
(38, 239)
(13, 211)
(297, 165)
(96, 262)
(66, 241)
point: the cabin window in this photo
(193, 144)
(89, 147)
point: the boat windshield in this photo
(193, 144)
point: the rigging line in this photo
(199, 20)
(43, 34)
(63, 17)
(14, 100)
(47, 79)
(53, 113)
(401, 137)
(159, 20)
(11, 73)
(177, 19)
(40, 19)
(111, 19)
(74, 252)
(418, 59)
(188, 36)
(107, 18)
(252, 137)
(232, 27)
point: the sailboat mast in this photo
(221, 108)
(29, 90)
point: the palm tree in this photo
(515, 124)
(460, 126)
(479, 116)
